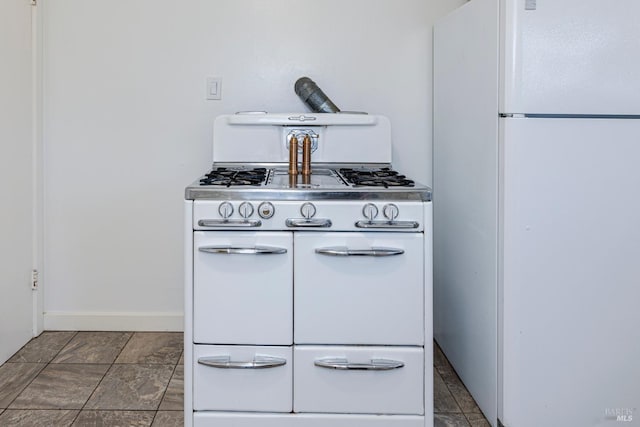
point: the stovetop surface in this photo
(356, 182)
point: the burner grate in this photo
(383, 177)
(228, 177)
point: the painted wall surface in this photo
(127, 125)
(16, 177)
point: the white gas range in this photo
(307, 291)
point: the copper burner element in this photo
(306, 156)
(293, 156)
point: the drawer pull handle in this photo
(258, 362)
(230, 222)
(233, 250)
(344, 364)
(344, 251)
(387, 224)
(308, 223)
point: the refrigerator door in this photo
(571, 272)
(571, 57)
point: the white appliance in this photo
(536, 208)
(307, 296)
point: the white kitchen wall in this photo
(127, 126)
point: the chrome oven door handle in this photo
(387, 224)
(310, 223)
(344, 251)
(344, 364)
(258, 362)
(230, 222)
(236, 250)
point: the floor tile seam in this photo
(63, 346)
(454, 394)
(155, 414)
(180, 357)
(76, 417)
(24, 363)
(53, 409)
(30, 341)
(164, 393)
(455, 401)
(112, 366)
(116, 410)
(466, 414)
(142, 363)
(124, 346)
(26, 385)
(456, 419)
(95, 388)
(165, 390)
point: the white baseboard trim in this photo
(100, 321)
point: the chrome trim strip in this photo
(230, 222)
(387, 224)
(308, 223)
(197, 193)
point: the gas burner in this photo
(228, 177)
(382, 177)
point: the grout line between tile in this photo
(122, 349)
(26, 385)
(101, 379)
(40, 371)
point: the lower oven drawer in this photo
(242, 378)
(373, 380)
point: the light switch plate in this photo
(214, 88)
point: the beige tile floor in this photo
(452, 403)
(136, 379)
(94, 379)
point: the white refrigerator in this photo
(536, 194)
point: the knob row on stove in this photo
(265, 210)
(308, 210)
(246, 209)
(390, 211)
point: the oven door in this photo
(359, 288)
(243, 287)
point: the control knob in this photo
(245, 209)
(308, 210)
(225, 209)
(370, 211)
(266, 210)
(390, 211)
